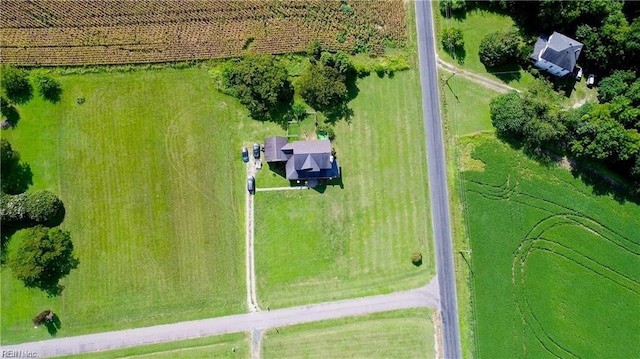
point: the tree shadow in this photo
(53, 94)
(460, 54)
(600, 183)
(53, 325)
(507, 73)
(10, 115)
(18, 179)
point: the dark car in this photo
(256, 151)
(245, 155)
(251, 184)
(578, 73)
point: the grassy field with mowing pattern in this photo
(150, 174)
(398, 334)
(355, 240)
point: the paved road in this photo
(438, 181)
(426, 296)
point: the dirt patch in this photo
(437, 332)
(466, 161)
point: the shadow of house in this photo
(305, 162)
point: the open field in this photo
(398, 334)
(555, 269)
(475, 25)
(45, 33)
(221, 346)
(466, 105)
(149, 171)
(355, 240)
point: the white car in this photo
(591, 80)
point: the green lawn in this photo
(555, 268)
(467, 105)
(475, 25)
(150, 174)
(221, 346)
(398, 334)
(358, 239)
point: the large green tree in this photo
(44, 257)
(323, 87)
(261, 84)
(15, 84)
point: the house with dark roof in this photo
(557, 54)
(308, 161)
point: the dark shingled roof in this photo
(305, 159)
(558, 49)
(273, 149)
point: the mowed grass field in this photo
(555, 269)
(397, 334)
(150, 174)
(235, 345)
(466, 105)
(477, 23)
(355, 239)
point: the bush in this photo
(328, 130)
(44, 207)
(452, 39)
(498, 48)
(416, 258)
(41, 207)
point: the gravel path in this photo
(252, 300)
(489, 83)
(426, 296)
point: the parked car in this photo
(245, 155)
(578, 74)
(256, 151)
(591, 80)
(251, 184)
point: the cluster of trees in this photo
(610, 30)
(607, 132)
(261, 84)
(16, 89)
(452, 40)
(326, 84)
(44, 255)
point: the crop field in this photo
(398, 334)
(555, 269)
(52, 32)
(357, 238)
(154, 197)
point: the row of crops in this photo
(47, 33)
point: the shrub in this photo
(44, 207)
(416, 258)
(498, 48)
(328, 130)
(452, 39)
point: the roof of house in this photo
(273, 149)
(558, 49)
(305, 159)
